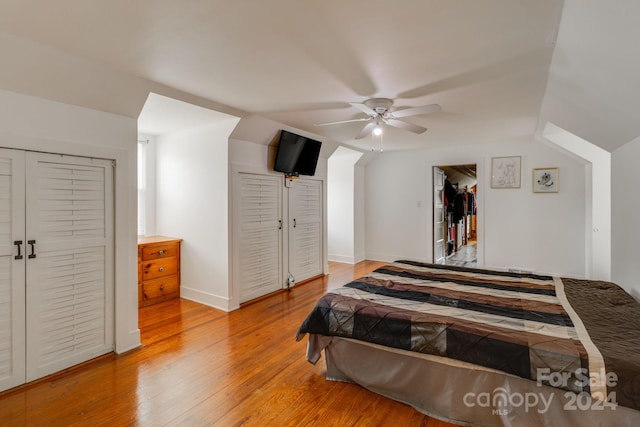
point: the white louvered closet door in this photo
(305, 229)
(69, 273)
(260, 243)
(12, 298)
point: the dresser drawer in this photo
(157, 288)
(159, 268)
(160, 251)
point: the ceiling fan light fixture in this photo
(378, 111)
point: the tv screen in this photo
(296, 155)
(308, 160)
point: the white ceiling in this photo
(487, 63)
(162, 115)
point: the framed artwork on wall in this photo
(505, 172)
(545, 180)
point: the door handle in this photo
(294, 223)
(33, 249)
(18, 243)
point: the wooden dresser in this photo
(158, 269)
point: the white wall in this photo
(32, 123)
(516, 227)
(625, 210)
(341, 181)
(192, 181)
(150, 176)
(395, 226)
(598, 198)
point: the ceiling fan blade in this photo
(343, 121)
(415, 111)
(366, 130)
(364, 108)
(405, 125)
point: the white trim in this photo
(206, 298)
(346, 259)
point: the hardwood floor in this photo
(203, 367)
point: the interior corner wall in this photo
(598, 196)
(341, 205)
(192, 203)
(150, 177)
(516, 227)
(625, 205)
(397, 190)
(37, 124)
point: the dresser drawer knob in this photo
(161, 269)
(161, 252)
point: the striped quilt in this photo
(521, 324)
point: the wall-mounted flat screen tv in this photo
(296, 155)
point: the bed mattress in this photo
(577, 336)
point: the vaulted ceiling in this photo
(500, 69)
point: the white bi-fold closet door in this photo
(279, 232)
(259, 219)
(56, 263)
(305, 229)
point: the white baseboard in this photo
(341, 258)
(206, 298)
(132, 342)
(376, 256)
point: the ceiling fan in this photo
(379, 112)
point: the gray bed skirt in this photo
(459, 392)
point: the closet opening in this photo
(455, 215)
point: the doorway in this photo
(455, 215)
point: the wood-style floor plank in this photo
(199, 366)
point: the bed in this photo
(482, 347)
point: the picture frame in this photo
(505, 172)
(546, 180)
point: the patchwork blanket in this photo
(579, 335)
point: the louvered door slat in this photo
(260, 247)
(71, 200)
(6, 204)
(70, 282)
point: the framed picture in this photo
(505, 172)
(545, 180)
